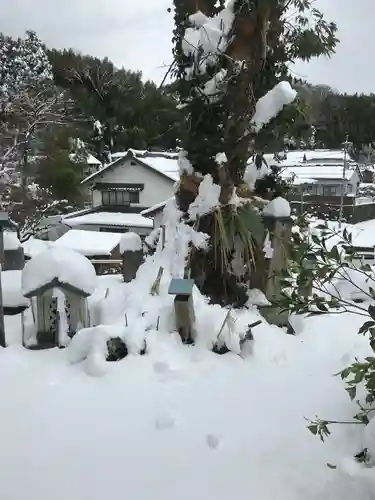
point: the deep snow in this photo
(183, 421)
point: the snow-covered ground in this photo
(182, 421)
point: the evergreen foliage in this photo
(246, 62)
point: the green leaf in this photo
(352, 391)
(322, 307)
(313, 428)
(362, 417)
(366, 326)
(370, 398)
(371, 311)
(331, 466)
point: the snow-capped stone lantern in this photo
(131, 250)
(278, 224)
(58, 282)
(182, 289)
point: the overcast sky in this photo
(137, 35)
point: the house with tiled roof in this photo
(133, 181)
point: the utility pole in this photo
(346, 145)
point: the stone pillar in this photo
(14, 260)
(131, 261)
(131, 249)
(279, 230)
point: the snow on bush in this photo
(214, 87)
(253, 173)
(221, 158)
(65, 266)
(184, 164)
(130, 242)
(270, 105)
(208, 36)
(207, 198)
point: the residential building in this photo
(119, 192)
(135, 181)
(319, 173)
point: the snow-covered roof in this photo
(61, 268)
(166, 166)
(109, 219)
(89, 243)
(308, 172)
(297, 157)
(165, 163)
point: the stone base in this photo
(275, 316)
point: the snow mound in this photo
(90, 345)
(279, 207)
(61, 265)
(130, 242)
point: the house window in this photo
(330, 190)
(119, 197)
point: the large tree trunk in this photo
(221, 126)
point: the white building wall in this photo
(157, 188)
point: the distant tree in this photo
(132, 114)
(32, 108)
(26, 96)
(61, 166)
